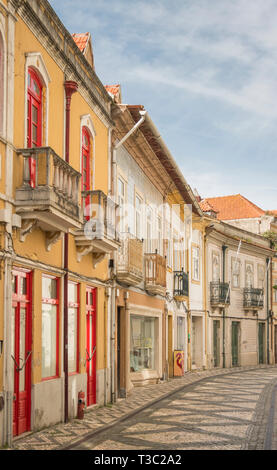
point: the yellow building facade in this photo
(55, 130)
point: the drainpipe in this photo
(113, 303)
(70, 88)
(224, 248)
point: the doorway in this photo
(216, 343)
(261, 341)
(91, 345)
(235, 343)
(21, 350)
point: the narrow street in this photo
(236, 411)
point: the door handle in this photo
(90, 357)
(18, 368)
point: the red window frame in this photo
(34, 120)
(54, 301)
(86, 154)
(76, 305)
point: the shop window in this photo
(142, 343)
(73, 327)
(50, 327)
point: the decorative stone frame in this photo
(35, 60)
(86, 121)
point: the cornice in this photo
(57, 43)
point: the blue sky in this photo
(206, 71)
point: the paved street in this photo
(231, 412)
(215, 409)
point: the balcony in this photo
(253, 299)
(48, 196)
(98, 234)
(155, 273)
(181, 285)
(219, 294)
(130, 260)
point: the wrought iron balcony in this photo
(49, 194)
(98, 234)
(130, 260)
(219, 294)
(181, 285)
(253, 299)
(155, 273)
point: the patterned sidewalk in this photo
(62, 436)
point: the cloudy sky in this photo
(206, 71)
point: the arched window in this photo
(86, 164)
(34, 119)
(34, 110)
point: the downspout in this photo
(113, 302)
(70, 88)
(224, 248)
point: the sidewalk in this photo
(97, 419)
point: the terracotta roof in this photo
(81, 40)
(113, 89)
(206, 206)
(233, 207)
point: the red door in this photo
(34, 120)
(86, 168)
(91, 345)
(21, 351)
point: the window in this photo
(149, 217)
(73, 327)
(178, 253)
(235, 273)
(34, 115)
(34, 120)
(50, 327)
(249, 275)
(168, 245)
(195, 263)
(142, 343)
(159, 229)
(216, 267)
(138, 209)
(121, 202)
(181, 340)
(261, 276)
(86, 186)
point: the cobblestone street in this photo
(231, 409)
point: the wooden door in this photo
(261, 335)
(91, 345)
(235, 343)
(21, 351)
(216, 343)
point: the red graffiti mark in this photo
(180, 360)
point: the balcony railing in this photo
(49, 192)
(219, 293)
(130, 260)
(98, 234)
(181, 284)
(253, 298)
(155, 273)
(100, 213)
